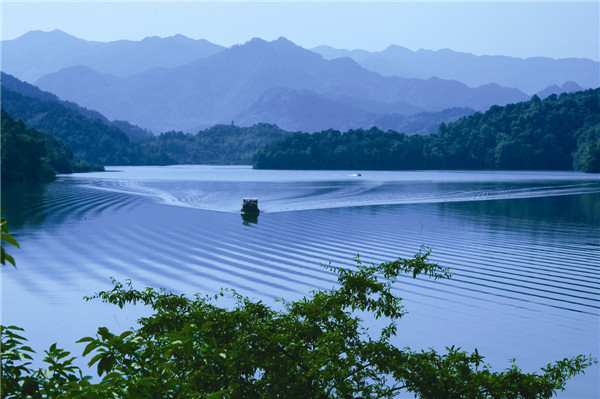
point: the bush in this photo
(315, 347)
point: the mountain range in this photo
(38, 53)
(530, 75)
(242, 82)
(177, 83)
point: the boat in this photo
(250, 205)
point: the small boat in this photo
(250, 205)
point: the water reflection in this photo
(582, 209)
(22, 203)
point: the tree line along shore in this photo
(41, 138)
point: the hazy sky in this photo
(522, 29)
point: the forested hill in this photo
(89, 139)
(30, 155)
(134, 133)
(94, 139)
(558, 133)
(95, 142)
(220, 144)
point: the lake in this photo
(524, 248)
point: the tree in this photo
(315, 347)
(587, 156)
(24, 155)
(29, 155)
(551, 134)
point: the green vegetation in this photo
(5, 237)
(93, 139)
(422, 123)
(37, 106)
(315, 347)
(29, 155)
(90, 139)
(558, 133)
(24, 154)
(220, 144)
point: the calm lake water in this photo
(524, 248)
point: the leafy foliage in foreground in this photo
(5, 237)
(316, 347)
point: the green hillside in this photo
(220, 144)
(31, 155)
(94, 139)
(89, 139)
(558, 133)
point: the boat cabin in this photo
(250, 205)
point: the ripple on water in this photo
(525, 255)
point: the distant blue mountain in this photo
(245, 81)
(308, 111)
(529, 75)
(38, 53)
(568, 87)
